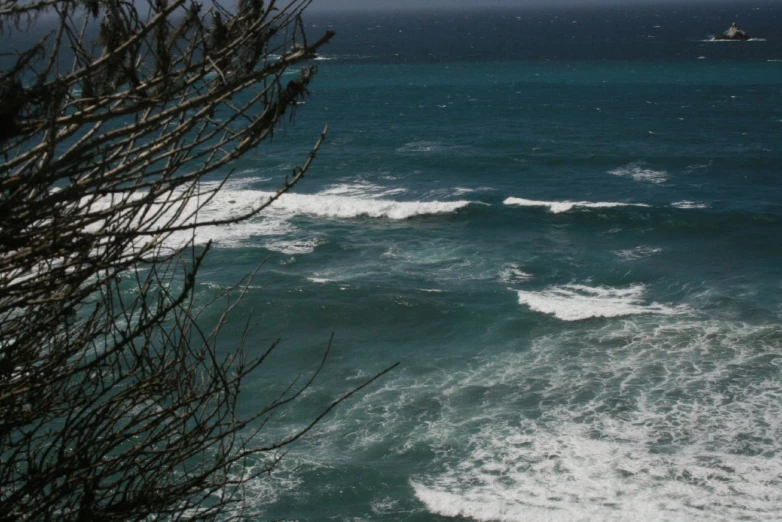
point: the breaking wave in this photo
(558, 207)
(512, 273)
(352, 207)
(274, 223)
(578, 302)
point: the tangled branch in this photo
(114, 403)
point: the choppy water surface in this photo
(573, 252)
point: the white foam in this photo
(512, 273)
(475, 505)
(293, 246)
(236, 235)
(351, 207)
(578, 302)
(636, 420)
(728, 41)
(392, 252)
(387, 506)
(422, 146)
(273, 224)
(637, 171)
(459, 191)
(564, 206)
(214, 286)
(638, 252)
(243, 179)
(647, 418)
(572, 475)
(184, 211)
(689, 204)
(361, 189)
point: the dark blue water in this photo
(565, 224)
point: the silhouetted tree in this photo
(114, 402)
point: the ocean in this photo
(565, 224)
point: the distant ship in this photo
(734, 33)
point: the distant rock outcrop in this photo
(734, 33)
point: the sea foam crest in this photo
(689, 204)
(198, 211)
(577, 302)
(638, 252)
(234, 201)
(638, 172)
(512, 273)
(342, 200)
(558, 207)
(361, 189)
(458, 191)
(351, 207)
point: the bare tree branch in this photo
(115, 402)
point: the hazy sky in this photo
(329, 5)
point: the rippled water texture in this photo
(565, 224)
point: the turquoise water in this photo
(574, 256)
